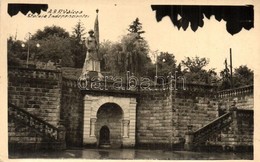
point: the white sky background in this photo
(211, 41)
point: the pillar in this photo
(92, 126)
(126, 128)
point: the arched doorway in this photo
(118, 113)
(104, 137)
(109, 125)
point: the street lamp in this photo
(28, 49)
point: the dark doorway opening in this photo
(104, 137)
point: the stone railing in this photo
(201, 135)
(33, 73)
(52, 133)
(236, 91)
(101, 85)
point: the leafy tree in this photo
(194, 71)
(194, 65)
(14, 50)
(50, 31)
(130, 54)
(136, 53)
(166, 63)
(55, 48)
(136, 27)
(104, 51)
(243, 76)
(55, 45)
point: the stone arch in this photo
(121, 103)
(110, 115)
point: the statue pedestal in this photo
(91, 75)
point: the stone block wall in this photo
(154, 120)
(72, 112)
(244, 102)
(195, 111)
(39, 93)
(36, 91)
(163, 117)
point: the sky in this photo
(212, 41)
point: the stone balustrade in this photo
(241, 91)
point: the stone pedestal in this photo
(62, 137)
(188, 146)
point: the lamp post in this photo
(175, 83)
(28, 49)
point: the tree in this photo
(136, 53)
(50, 31)
(78, 48)
(130, 54)
(104, 51)
(196, 64)
(194, 71)
(166, 63)
(225, 77)
(136, 27)
(243, 76)
(55, 45)
(78, 31)
(14, 52)
(55, 48)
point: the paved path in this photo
(134, 154)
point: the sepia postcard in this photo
(137, 80)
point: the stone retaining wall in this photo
(163, 117)
(39, 93)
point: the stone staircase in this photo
(194, 139)
(52, 137)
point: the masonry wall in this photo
(39, 93)
(193, 108)
(161, 120)
(163, 117)
(72, 112)
(154, 120)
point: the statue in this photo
(92, 61)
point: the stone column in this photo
(92, 126)
(125, 128)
